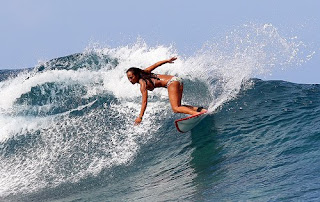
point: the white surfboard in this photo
(186, 124)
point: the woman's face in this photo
(132, 78)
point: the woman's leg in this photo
(175, 90)
(180, 98)
(180, 92)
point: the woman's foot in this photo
(201, 110)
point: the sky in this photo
(38, 30)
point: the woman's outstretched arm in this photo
(144, 92)
(152, 67)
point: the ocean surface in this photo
(67, 134)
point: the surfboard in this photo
(186, 124)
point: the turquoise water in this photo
(67, 134)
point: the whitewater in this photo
(67, 134)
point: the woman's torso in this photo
(153, 83)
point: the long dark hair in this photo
(142, 74)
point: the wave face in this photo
(66, 126)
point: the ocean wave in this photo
(68, 122)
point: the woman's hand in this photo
(137, 121)
(172, 59)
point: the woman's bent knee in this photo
(176, 109)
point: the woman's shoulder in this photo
(142, 81)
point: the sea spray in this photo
(249, 51)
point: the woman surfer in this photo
(150, 81)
